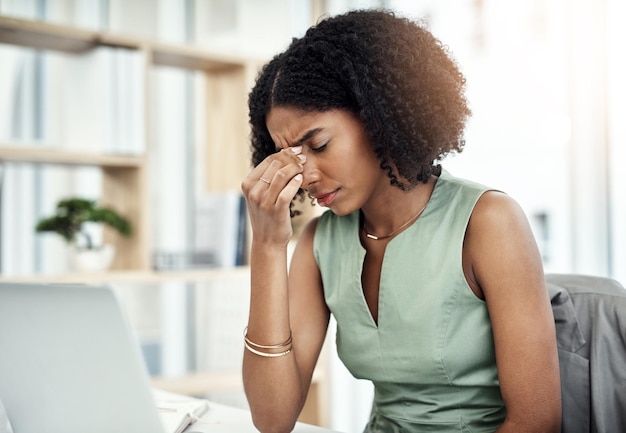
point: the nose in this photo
(310, 173)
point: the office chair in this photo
(590, 317)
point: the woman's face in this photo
(341, 170)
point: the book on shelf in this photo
(177, 411)
(11, 62)
(128, 97)
(99, 103)
(219, 237)
(221, 227)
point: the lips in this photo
(326, 199)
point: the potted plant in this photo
(69, 221)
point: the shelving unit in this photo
(125, 178)
(125, 184)
(135, 276)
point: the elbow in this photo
(266, 423)
(273, 415)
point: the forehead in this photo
(288, 121)
(288, 125)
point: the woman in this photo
(435, 282)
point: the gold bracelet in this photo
(260, 346)
(267, 355)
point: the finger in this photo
(290, 190)
(252, 178)
(277, 169)
(283, 167)
(290, 155)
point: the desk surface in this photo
(226, 419)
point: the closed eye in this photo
(320, 148)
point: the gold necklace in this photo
(378, 238)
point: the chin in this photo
(340, 210)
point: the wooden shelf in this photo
(133, 277)
(50, 155)
(184, 56)
(46, 36)
(204, 382)
(200, 383)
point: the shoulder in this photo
(329, 233)
(497, 213)
(496, 223)
(331, 224)
(460, 190)
(499, 242)
(308, 233)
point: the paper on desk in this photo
(5, 425)
(178, 411)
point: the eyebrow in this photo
(307, 136)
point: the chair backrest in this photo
(590, 317)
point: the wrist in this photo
(266, 254)
(262, 247)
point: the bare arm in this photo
(282, 304)
(506, 266)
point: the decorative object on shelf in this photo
(177, 260)
(92, 260)
(69, 221)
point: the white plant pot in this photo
(92, 260)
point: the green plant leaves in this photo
(71, 213)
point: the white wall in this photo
(616, 35)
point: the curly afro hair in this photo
(391, 72)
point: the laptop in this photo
(69, 362)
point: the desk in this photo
(226, 419)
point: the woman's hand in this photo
(269, 189)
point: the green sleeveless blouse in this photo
(431, 356)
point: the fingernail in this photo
(298, 177)
(301, 157)
(296, 149)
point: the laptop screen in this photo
(69, 362)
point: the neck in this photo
(394, 211)
(394, 231)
